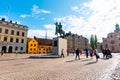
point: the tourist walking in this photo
(68, 51)
(77, 54)
(80, 51)
(73, 51)
(62, 53)
(104, 54)
(86, 52)
(2, 51)
(91, 53)
(109, 53)
(97, 55)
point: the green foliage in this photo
(93, 42)
(96, 41)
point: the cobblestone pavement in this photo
(116, 73)
(20, 67)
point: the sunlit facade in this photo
(39, 46)
(13, 37)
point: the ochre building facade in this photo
(39, 46)
(13, 37)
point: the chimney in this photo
(3, 19)
(10, 21)
(15, 22)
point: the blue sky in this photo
(84, 17)
(36, 19)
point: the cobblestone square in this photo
(20, 67)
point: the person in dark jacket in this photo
(77, 54)
(109, 53)
(86, 52)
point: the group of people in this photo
(106, 53)
(87, 53)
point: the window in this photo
(16, 48)
(5, 38)
(12, 32)
(31, 44)
(6, 31)
(106, 45)
(0, 30)
(55, 43)
(34, 44)
(31, 49)
(113, 48)
(22, 41)
(21, 48)
(23, 34)
(11, 39)
(111, 36)
(17, 40)
(112, 42)
(18, 33)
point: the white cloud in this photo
(74, 8)
(97, 17)
(41, 33)
(36, 10)
(50, 27)
(24, 15)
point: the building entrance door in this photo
(4, 48)
(10, 49)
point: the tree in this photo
(96, 41)
(93, 42)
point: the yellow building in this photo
(39, 46)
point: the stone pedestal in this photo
(58, 45)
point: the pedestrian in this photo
(2, 51)
(16, 52)
(103, 51)
(77, 54)
(91, 53)
(62, 53)
(109, 53)
(73, 51)
(80, 51)
(86, 52)
(106, 53)
(68, 51)
(97, 55)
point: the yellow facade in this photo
(35, 48)
(32, 46)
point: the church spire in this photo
(46, 35)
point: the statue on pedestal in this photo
(59, 29)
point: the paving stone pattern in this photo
(20, 67)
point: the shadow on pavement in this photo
(90, 63)
(71, 61)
